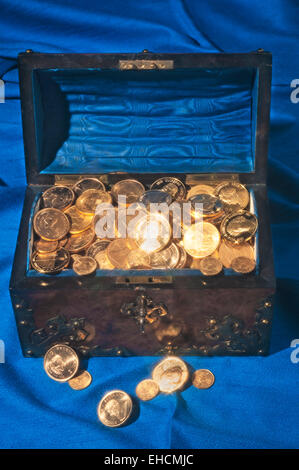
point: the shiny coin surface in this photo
(84, 265)
(200, 189)
(210, 266)
(201, 239)
(59, 197)
(44, 246)
(50, 263)
(172, 186)
(229, 251)
(129, 188)
(171, 374)
(115, 408)
(147, 389)
(81, 381)
(97, 247)
(152, 232)
(233, 195)
(243, 265)
(138, 259)
(155, 197)
(78, 221)
(88, 183)
(118, 251)
(205, 205)
(167, 258)
(80, 241)
(61, 363)
(91, 198)
(51, 224)
(203, 378)
(239, 226)
(183, 258)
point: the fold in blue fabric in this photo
(254, 401)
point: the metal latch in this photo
(145, 64)
(129, 280)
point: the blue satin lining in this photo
(199, 120)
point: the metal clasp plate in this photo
(145, 64)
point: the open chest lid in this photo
(145, 113)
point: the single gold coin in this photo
(205, 205)
(78, 221)
(87, 183)
(200, 189)
(44, 246)
(167, 258)
(115, 408)
(147, 389)
(80, 241)
(98, 251)
(201, 239)
(210, 266)
(51, 224)
(203, 378)
(229, 251)
(233, 194)
(118, 252)
(243, 265)
(81, 381)
(171, 374)
(59, 197)
(91, 198)
(84, 265)
(130, 189)
(170, 185)
(238, 227)
(61, 363)
(152, 232)
(50, 263)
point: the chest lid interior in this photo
(145, 113)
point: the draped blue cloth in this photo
(254, 402)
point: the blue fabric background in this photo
(254, 402)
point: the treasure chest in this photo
(202, 119)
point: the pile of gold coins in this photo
(68, 231)
(62, 364)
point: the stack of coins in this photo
(70, 231)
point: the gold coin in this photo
(170, 185)
(233, 194)
(115, 408)
(152, 232)
(239, 226)
(243, 265)
(79, 222)
(90, 199)
(62, 242)
(138, 259)
(183, 257)
(171, 374)
(200, 189)
(79, 242)
(88, 183)
(154, 196)
(147, 389)
(84, 265)
(51, 224)
(118, 251)
(103, 260)
(210, 266)
(61, 363)
(44, 246)
(129, 188)
(50, 263)
(167, 258)
(228, 251)
(201, 239)
(98, 251)
(81, 381)
(203, 378)
(209, 205)
(59, 197)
